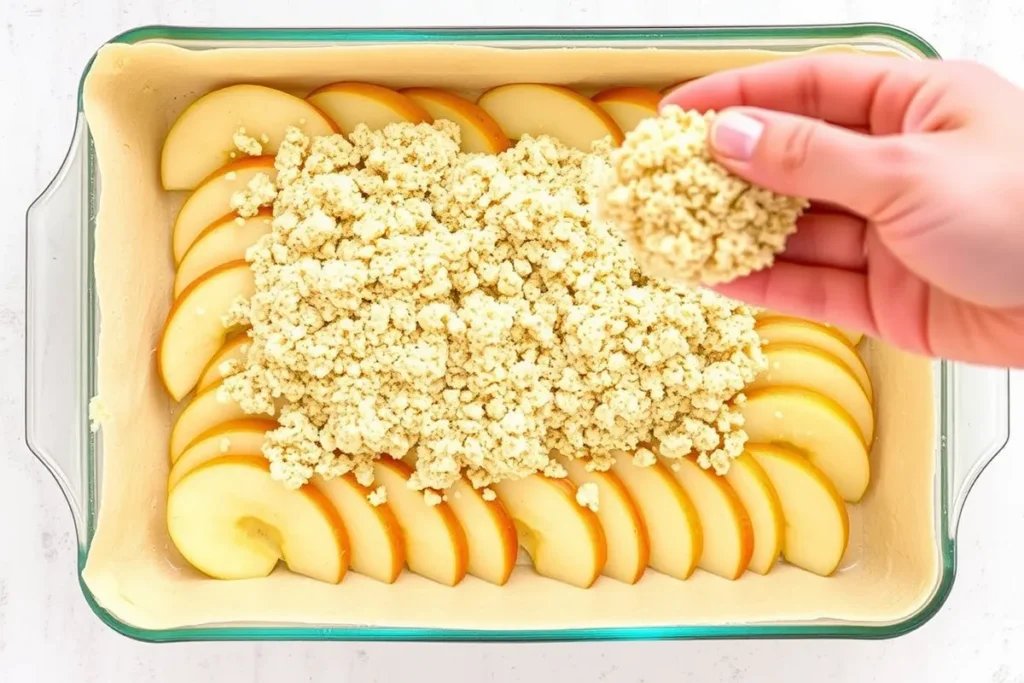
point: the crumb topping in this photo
(98, 413)
(586, 495)
(473, 307)
(378, 496)
(685, 216)
(248, 144)
(259, 192)
(644, 457)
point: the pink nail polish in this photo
(735, 135)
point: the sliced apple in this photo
(222, 242)
(348, 104)
(435, 544)
(671, 520)
(234, 349)
(807, 367)
(817, 524)
(797, 331)
(194, 330)
(628, 106)
(211, 201)
(202, 138)
(852, 336)
(629, 546)
(762, 504)
(563, 539)
(480, 133)
(728, 534)
(537, 109)
(817, 427)
(375, 537)
(490, 533)
(230, 520)
(204, 412)
(238, 437)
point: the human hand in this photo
(916, 175)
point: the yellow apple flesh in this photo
(628, 106)
(238, 437)
(375, 537)
(479, 132)
(564, 540)
(234, 349)
(728, 534)
(671, 520)
(629, 546)
(211, 201)
(755, 491)
(204, 412)
(815, 426)
(537, 109)
(796, 331)
(222, 242)
(201, 140)
(806, 367)
(349, 104)
(194, 330)
(490, 533)
(817, 524)
(435, 544)
(230, 520)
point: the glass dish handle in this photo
(977, 420)
(57, 327)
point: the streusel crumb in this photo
(473, 307)
(247, 144)
(685, 216)
(98, 413)
(378, 496)
(258, 192)
(587, 495)
(644, 457)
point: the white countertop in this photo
(48, 633)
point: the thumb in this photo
(805, 157)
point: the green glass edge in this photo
(359, 633)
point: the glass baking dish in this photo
(971, 404)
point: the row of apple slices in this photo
(672, 515)
(201, 140)
(231, 520)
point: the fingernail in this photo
(735, 135)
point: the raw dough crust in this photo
(131, 96)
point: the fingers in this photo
(831, 295)
(799, 156)
(835, 240)
(849, 90)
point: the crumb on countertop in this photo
(586, 495)
(685, 216)
(472, 307)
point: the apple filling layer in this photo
(412, 315)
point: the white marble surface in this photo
(47, 632)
